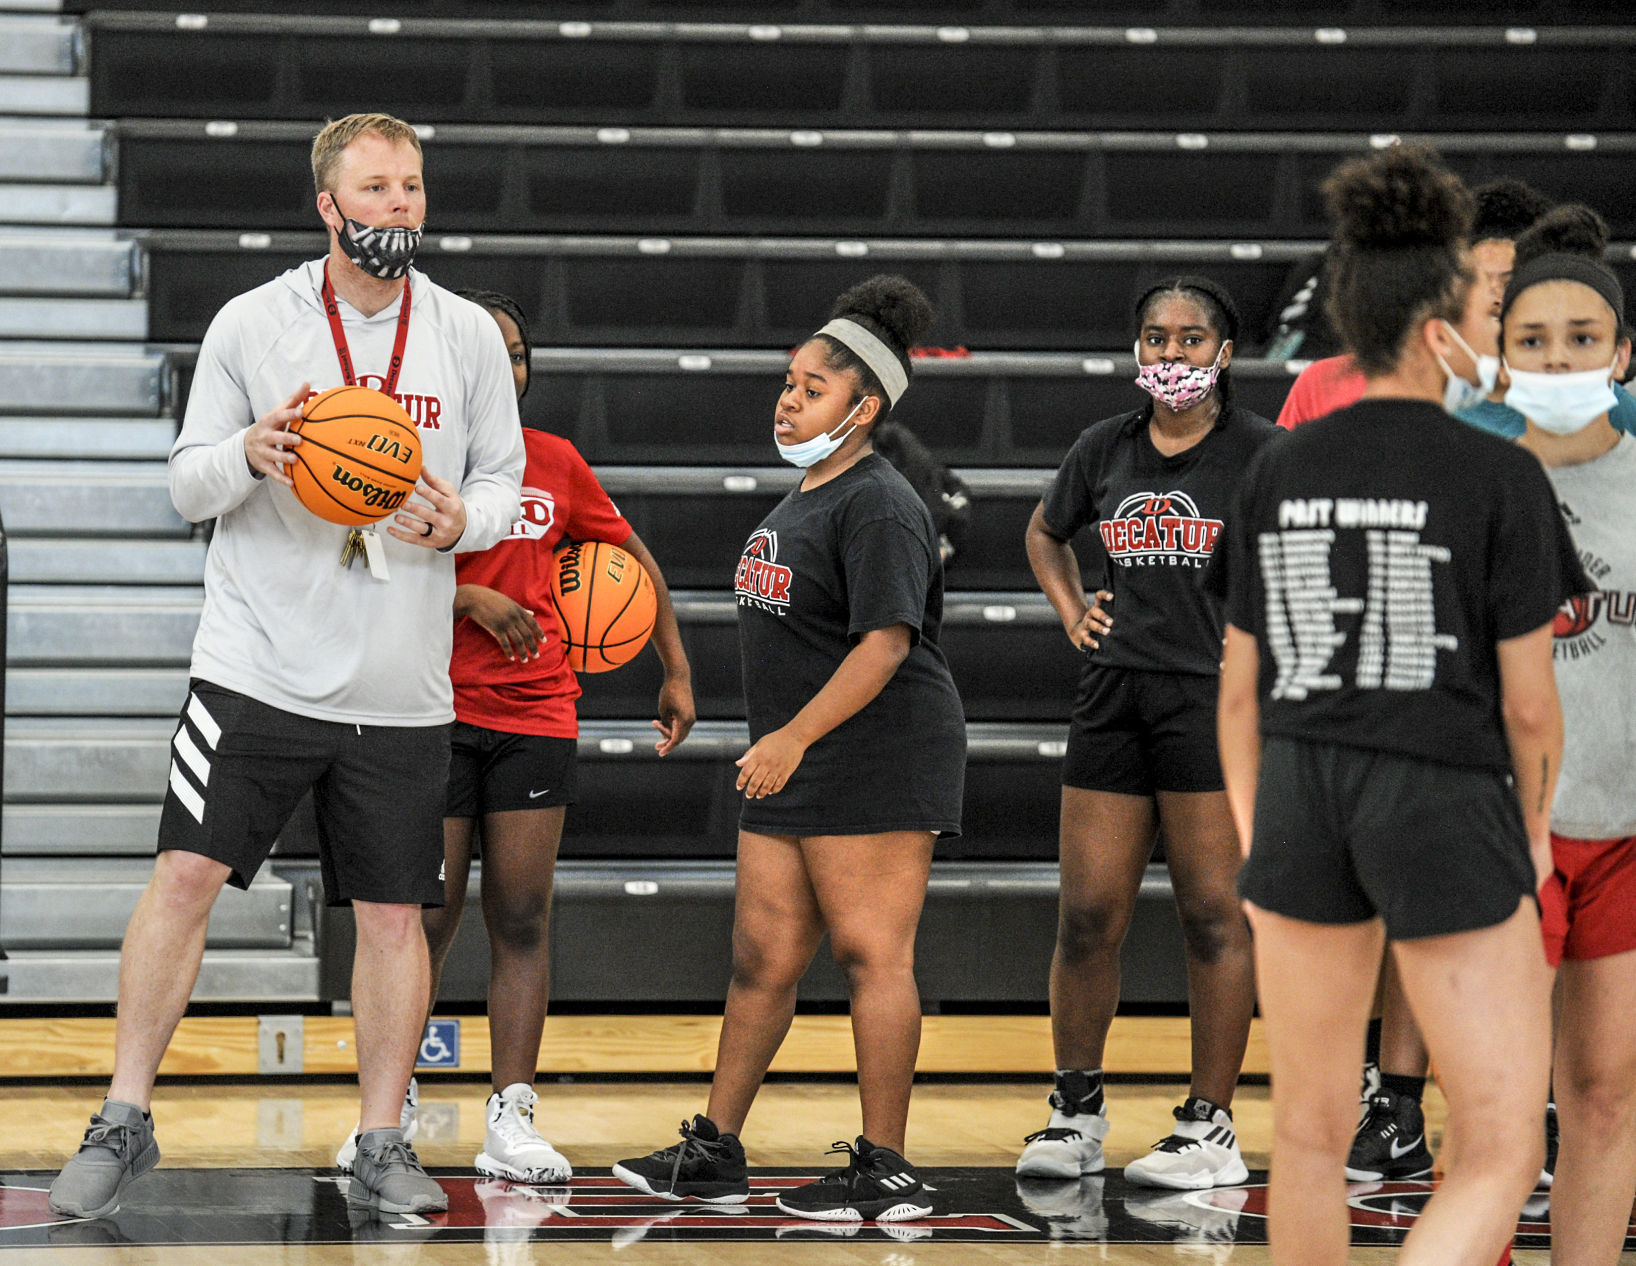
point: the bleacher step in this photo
(36, 46)
(45, 95)
(85, 262)
(127, 439)
(58, 204)
(84, 903)
(120, 320)
(226, 976)
(75, 625)
(72, 830)
(54, 561)
(110, 381)
(80, 691)
(52, 498)
(47, 150)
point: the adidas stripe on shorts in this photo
(239, 767)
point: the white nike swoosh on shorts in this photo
(535, 795)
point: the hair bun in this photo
(894, 304)
(1398, 198)
(1506, 209)
(1571, 229)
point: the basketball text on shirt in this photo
(761, 581)
(1159, 530)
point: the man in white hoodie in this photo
(313, 669)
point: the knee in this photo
(519, 926)
(1091, 927)
(1212, 929)
(766, 964)
(1312, 1130)
(188, 881)
(863, 960)
(1600, 1101)
(388, 924)
(440, 924)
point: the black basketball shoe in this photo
(877, 1185)
(706, 1165)
(1391, 1142)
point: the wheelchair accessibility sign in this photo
(440, 1046)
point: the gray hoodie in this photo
(282, 620)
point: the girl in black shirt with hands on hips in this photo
(856, 765)
(1141, 756)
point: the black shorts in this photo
(1139, 732)
(1343, 835)
(491, 771)
(239, 767)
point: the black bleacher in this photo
(674, 408)
(816, 76)
(683, 181)
(746, 292)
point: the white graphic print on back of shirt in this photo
(1159, 530)
(761, 581)
(1398, 640)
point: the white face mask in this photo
(811, 452)
(1561, 403)
(1460, 394)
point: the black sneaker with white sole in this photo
(877, 1185)
(706, 1165)
(1391, 1143)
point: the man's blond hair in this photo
(328, 145)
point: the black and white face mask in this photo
(383, 253)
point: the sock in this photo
(1371, 1042)
(1080, 1090)
(1409, 1087)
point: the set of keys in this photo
(353, 549)
(367, 546)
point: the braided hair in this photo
(494, 301)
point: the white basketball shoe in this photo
(513, 1148)
(1202, 1151)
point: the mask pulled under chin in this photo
(1561, 403)
(383, 253)
(811, 452)
(1176, 384)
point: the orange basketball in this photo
(605, 605)
(359, 455)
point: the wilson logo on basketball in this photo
(538, 513)
(761, 581)
(1159, 530)
(373, 495)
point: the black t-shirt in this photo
(1377, 557)
(1158, 518)
(854, 554)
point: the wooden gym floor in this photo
(294, 1125)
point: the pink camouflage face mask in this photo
(1176, 384)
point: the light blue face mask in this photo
(811, 452)
(1460, 394)
(1562, 403)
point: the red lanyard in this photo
(333, 312)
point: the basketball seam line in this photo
(602, 646)
(379, 470)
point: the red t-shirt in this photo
(1322, 387)
(561, 498)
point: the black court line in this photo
(308, 1206)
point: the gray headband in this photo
(880, 358)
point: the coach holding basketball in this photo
(311, 671)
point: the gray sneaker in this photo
(118, 1147)
(387, 1176)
